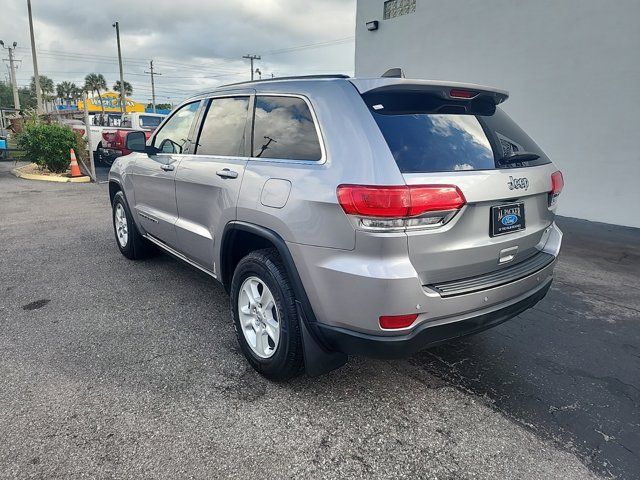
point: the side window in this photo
(284, 128)
(173, 136)
(224, 128)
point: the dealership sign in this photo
(111, 103)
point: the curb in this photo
(46, 178)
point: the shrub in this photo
(47, 145)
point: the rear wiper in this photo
(518, 157)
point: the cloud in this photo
(194, 43)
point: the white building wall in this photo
(572, 68)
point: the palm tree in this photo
(95, 82)
(64, 91)
(60, 93)
(128, 90)
(76, 93)
(46, 88)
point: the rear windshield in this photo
(428, 134)
(150, 121)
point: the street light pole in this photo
(12, 72)
(36, 76)
(123, 100)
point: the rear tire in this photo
(131, 244)
(263, 307)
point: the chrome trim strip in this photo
(494, 279)
(178, 255)
(148, 217)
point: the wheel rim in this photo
(122, 229)
(259, 317)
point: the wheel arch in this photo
(114, 187)
(240, 238)
(319, 356)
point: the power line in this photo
(327, 43)
(138, 60)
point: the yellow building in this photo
(111, 102)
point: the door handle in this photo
(167, 167)
(226, 173)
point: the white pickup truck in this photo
(113, 121)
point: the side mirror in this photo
(136, 141)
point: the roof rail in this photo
(297, 77)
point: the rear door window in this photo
(224, 129)
(428, 134)
(284, 129)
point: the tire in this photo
(101, 159)
(131, 244)
(281, 361)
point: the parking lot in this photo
(111, 368)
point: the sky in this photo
(194, 44)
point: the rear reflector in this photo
(398, 201)
(397, 321)
(461, 93)
(557, 182)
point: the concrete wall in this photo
(572, 68)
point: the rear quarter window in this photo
(284, 129)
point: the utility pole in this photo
(123, 100)
(87, 127)
(36, 75)
(153, 87)
(12, 75)
(251, 58)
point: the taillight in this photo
(557, 184)
(374, 201)
(383, 207)
(397, 321)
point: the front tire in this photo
(131, 244)
(265, 317)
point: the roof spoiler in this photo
(446, 90)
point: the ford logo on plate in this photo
(509, 219)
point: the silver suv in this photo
(346, 215)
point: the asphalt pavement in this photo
(117, 369)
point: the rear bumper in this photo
(427, 334)
(350, 290)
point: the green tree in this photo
(27, 98)
(160, 106)
(6, 95)
(76, 93)
(128, 90)
(64, 91)
(47, 88)
(95, 82)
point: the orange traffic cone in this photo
(75, 169)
